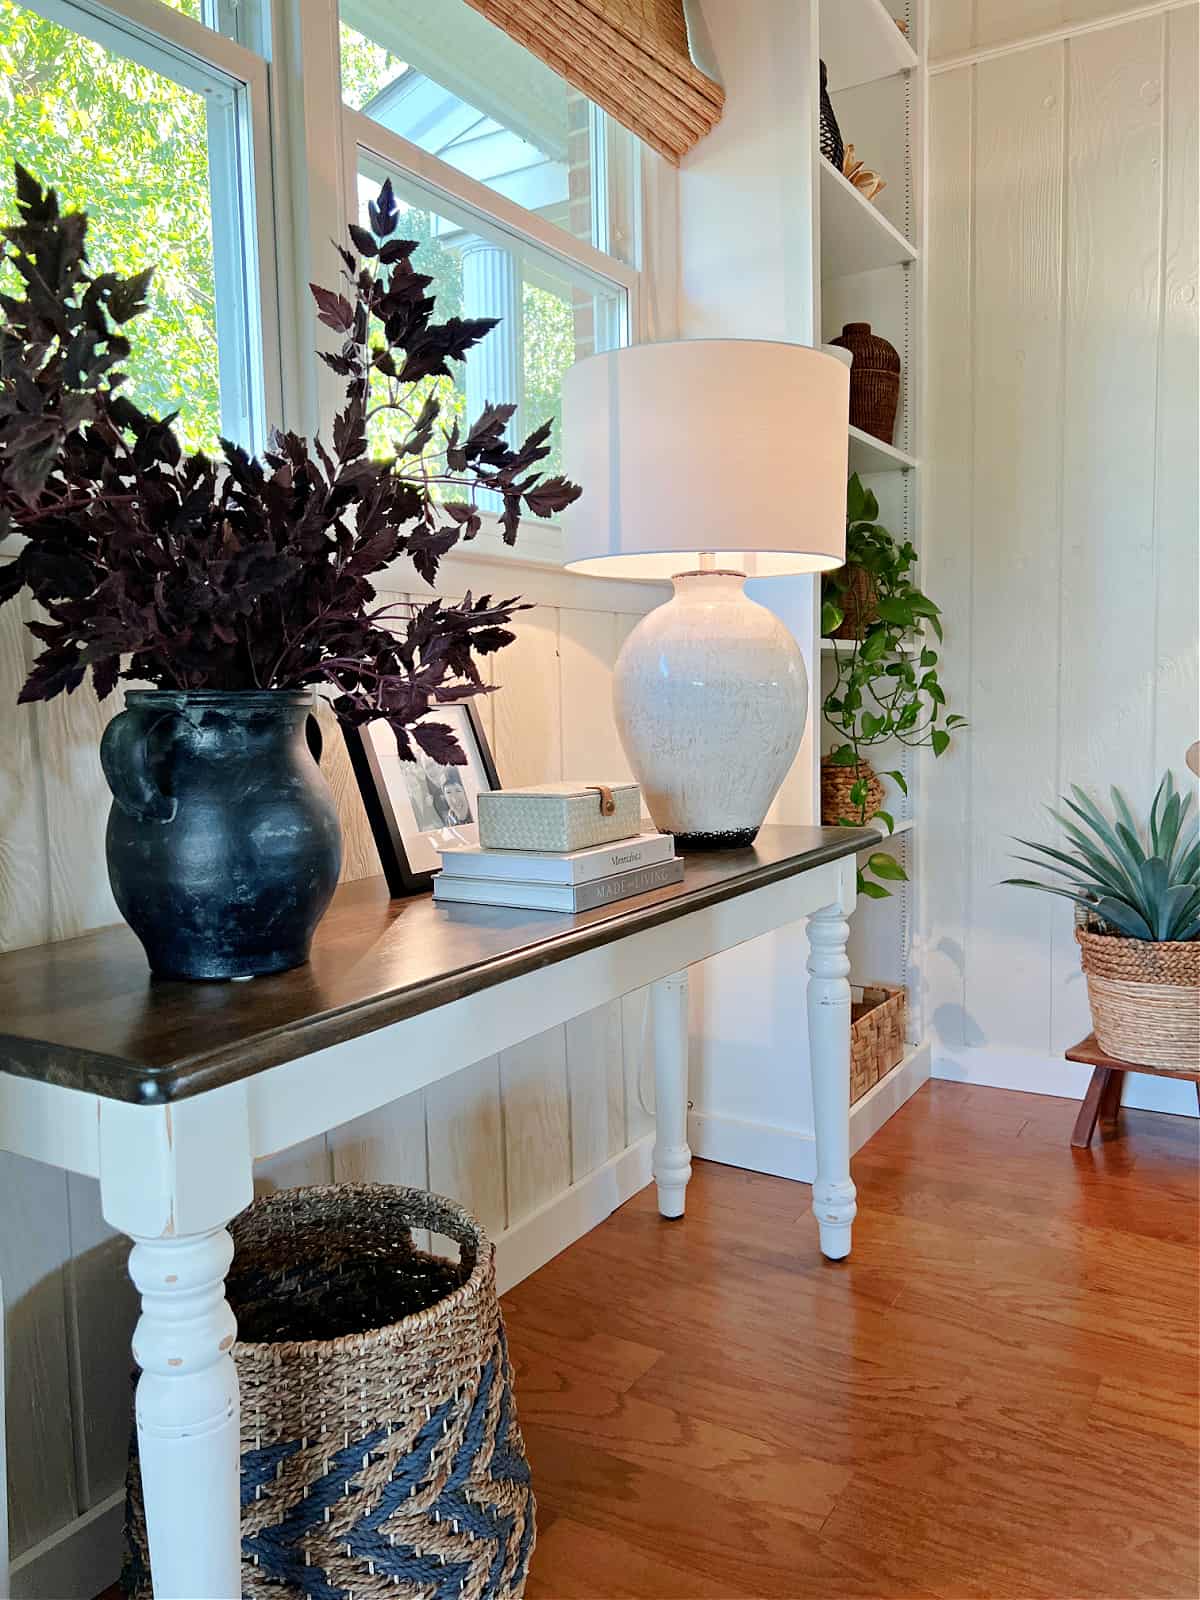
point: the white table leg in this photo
(187, 1415)
(829, 1049)
(171, 1179)
(672, 1160)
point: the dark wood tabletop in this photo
(86, 1013)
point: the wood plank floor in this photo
(996, 1396)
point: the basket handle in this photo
(440, 1215)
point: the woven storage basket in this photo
(859, 605)
(380, 1449)
(877, 1026)
(832, 147)
(1145, 999)
(874, 380)
(836, 784)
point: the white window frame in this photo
(244, 268)
(294, 166)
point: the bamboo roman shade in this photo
(629, 56)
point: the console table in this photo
(167, 1092)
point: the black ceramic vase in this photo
(223, 842)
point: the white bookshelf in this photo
(860, 43)
(870, 270)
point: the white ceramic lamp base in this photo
(711, 696)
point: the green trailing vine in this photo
(886, 687)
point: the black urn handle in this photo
(125, 757)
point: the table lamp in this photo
(708, 461)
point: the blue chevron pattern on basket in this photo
(284, 1550)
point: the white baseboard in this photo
(1032, 1073)
(75, 1562)
(791, 1152)
(79, 1560)
(540, 1237)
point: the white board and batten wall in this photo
(540, 1142)
(1061, 511)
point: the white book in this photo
(578, 866)
(556, 896)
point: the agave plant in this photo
(1141, 882)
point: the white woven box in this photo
(558, 816)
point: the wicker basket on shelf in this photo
(859, 604)
(836, 784)
(878, 1022)
(380, 1449)
(1145, 998)
(874, 380)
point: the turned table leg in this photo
(171, 1179)
(829, 1049)
(187, 1415)
(672, 1160)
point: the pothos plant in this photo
(246, 573)
(886, 686)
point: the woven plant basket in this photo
(836, 784)
(1145, 999)
(380, 1449)
(859, 605)
(877, 1026)
(832, 147)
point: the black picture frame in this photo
(390, 814)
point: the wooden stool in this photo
(1103, 1098)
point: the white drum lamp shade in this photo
(708, 461)
(734, 447)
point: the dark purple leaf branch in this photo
(248, 573)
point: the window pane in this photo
(130, 145)
(551, 315)
(448, 80)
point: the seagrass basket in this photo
(380, 1449)
(1145, 998)
(859, 603)
(877, 1027)
(836, 784)
(874, 380)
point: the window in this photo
(452, 83)
(551, 312)
(153, 143)
(154, 117)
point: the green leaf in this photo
(885, 866)
(858, 792)
(843, 756)
(955, 721)
(872, 724)
(873, 891)
(929, 658)
(885, 816)
(901, 612)
(898, 779)
(875, 644)
(832, 618)
(1125, 917)
(940, 740)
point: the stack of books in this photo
(576, 880)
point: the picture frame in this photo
(414, 807)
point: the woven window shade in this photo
(629, 56)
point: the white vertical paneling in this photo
(947, 553)
(637, 1050)
(24, 860)
(34, 1243)
(1111, 338)
(464, 1124)
(1015, 591)
(102, 1308)
(1109, 276)
(951, 27)
(1177, 492)
(959, 26)
(537, 1126)
(588, 644)
(596, 1078)
(293, 1169)
(528, 703)
(386, 1146)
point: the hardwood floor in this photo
(996, 1396)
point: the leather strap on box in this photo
(608, 805)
